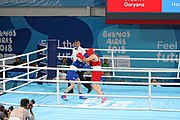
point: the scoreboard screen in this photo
(143, 12)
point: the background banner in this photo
(22, 34)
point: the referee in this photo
(76, 50)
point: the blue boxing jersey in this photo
(72, 74)
(78, 64)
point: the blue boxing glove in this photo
(86, 55)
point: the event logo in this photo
(6, 44)
(134, 3)
(116, 40)
(6, 39)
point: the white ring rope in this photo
(120, 58)
(127, 50)
(98, 107)
(89, 95)
(82, 69)
(131, 68)
(65, 81)
(33, 52)
(28, 82)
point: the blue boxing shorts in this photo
(72, 75)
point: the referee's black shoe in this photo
(90, 89)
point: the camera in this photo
(32, 102)
(11, 108)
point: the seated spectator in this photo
(22, 112)
(17, 61)
(64, 63)
(3, 115)
(105, 63)
(1, 75)
(24, 61)
(155, 81)
(106, 73)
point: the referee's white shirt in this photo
(77, 50)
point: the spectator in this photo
(105, 64)
(33, 64)
(22, 112)
(155, 81)
(1, 75)
(3, 116)
(106, 73)
(17, 61)
(24, 61)
(63, 64)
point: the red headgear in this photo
(90, 51)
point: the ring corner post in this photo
(52, 58)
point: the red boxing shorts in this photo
(96, 75)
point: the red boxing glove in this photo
(79, 55)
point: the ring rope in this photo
(127, 50)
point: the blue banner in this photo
(52, 3)
(171, 6)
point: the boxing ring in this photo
(143, 100)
